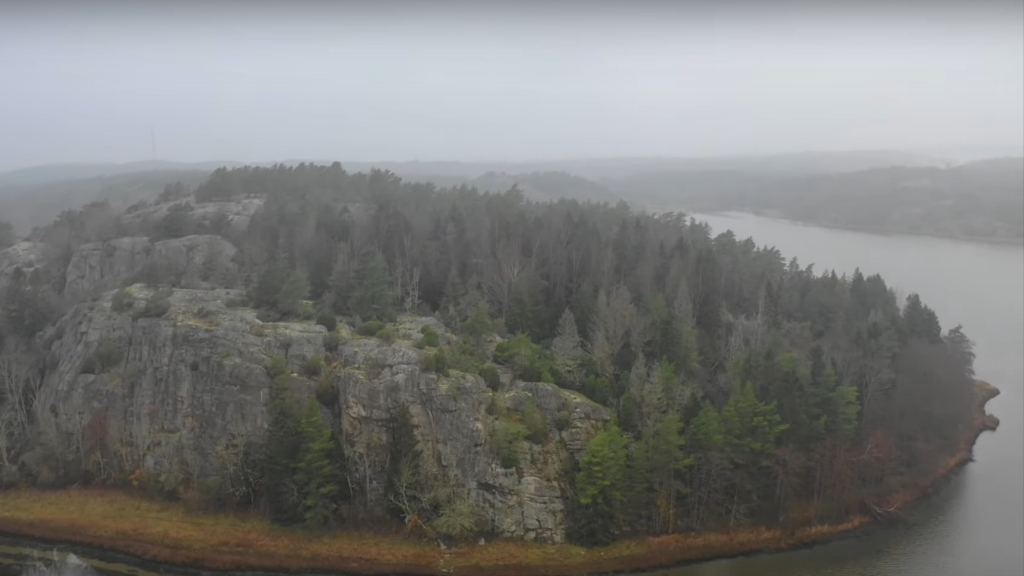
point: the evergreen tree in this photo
(372, 296)
(478, 327)
(921, 321)
(288, 301)
(568, 350)
(659, 459)
(316, 473)
(284, 442)
(600, 483)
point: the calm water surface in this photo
(972, 526)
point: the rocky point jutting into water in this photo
(326, 348)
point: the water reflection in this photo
(24, 558)
(21, 561)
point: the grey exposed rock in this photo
(25, 255)
(190, 260)
(239, 213)
(186, 383)
(191, 382)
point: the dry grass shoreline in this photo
(165, 533)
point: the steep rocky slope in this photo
(173, 396)
(194, 260)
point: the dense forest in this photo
(747, 389)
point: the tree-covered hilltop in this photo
(744, 389)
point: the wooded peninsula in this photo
(299, 367)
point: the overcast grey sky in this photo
(514, 81)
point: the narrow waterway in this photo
(972, 526)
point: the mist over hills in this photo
(879, 191)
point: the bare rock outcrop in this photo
(193, 261)
(172, 395)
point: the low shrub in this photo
(105, 357)
(327, 319)
(491, 377)
(529, 362)
(430, 337)
(535, 422)
(436, 362)
(332, 340)
(562, 420)
(371, 327)
(387, 334)
(508, 440)
(313, 367)
(157, 305)
(278, 366)
(327, 392)
(122, 301)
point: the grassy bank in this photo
(165, 532)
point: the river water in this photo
(973, 525)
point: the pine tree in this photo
(659, 461)
(601, 481)
(478, 327)
(921, 321)
(288, 301)
(568, 350)
(372, 296)
(284, 440)
(316, 474)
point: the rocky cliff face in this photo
(24, 255)
(171, 395)
(192, 260)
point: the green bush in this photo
(278, 367)
(535, 422)
(122, 301)
(419, 345)
(326, 319)
(313, 367)
(562, 420)
(508, 440)
(430, 337)
(327, 392)
(529, 362)
(332, 340)
(386, 334)
(459, 520)
(436, 362)
(491, 377)
(157, 305)
(371, 327)
(106, 356)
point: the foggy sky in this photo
(513, 81)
